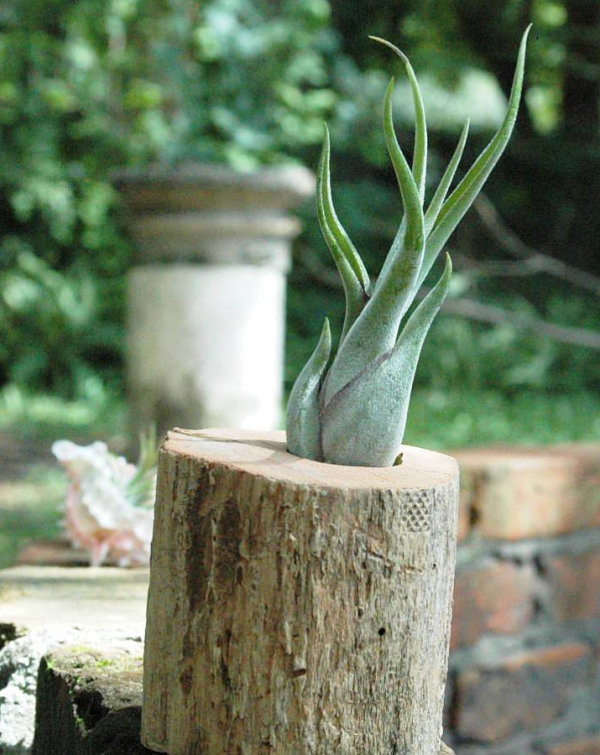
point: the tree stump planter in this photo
(297, 607)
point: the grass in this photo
(29, 509)
(47, 417)
(460, 417)
(31, 506)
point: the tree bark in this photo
(294, 606)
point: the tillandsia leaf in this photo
(463, 196)
(343, 240)
(419, 165)
(363, 425)
(440, 193)
(302, 422)
(419, 157)
(354, 276)
(376, 328)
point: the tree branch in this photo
(475, 310)
(470, 308)
(536, 261)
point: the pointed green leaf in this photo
(401, 169)
(353, 289)
(411, 200)
(419, 166)
(463, 196)
(440, 193)
(342, 239)
(302, 420)
(363, 424)
(376, 328)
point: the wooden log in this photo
(294, 606)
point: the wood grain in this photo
(294, 606)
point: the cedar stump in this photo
(296, 606)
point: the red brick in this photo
(588, 746)
(59, 552)
(496, 597)
(521, 693)
(515, 493)
(549, 658)
(575, 585)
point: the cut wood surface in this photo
(297, 607)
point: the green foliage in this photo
(460, 416)
(30, 508)
(90, 86)
(87, 86)
(67, 319)
(140, 489)
(47, 416)
(507, 359)
(246, 81)
(354, 410)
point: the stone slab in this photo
(39, 597)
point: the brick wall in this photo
(525, 650)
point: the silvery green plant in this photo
(351, 407)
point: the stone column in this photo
(206, 298)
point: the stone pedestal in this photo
(206, 299)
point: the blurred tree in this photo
(581, 88)
(92, 85)
(552, 167)
(576, 226)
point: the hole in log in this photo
(381, 632)
(186, 680)
(299, 672)
(225, 678)
(89, 707)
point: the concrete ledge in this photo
(34, 597)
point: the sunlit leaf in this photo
(463, 196)
(355, 289)
(302, 421)
(419, 166)
(363, 425)
(343, 240)
(440, 193)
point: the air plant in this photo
(351, 407)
